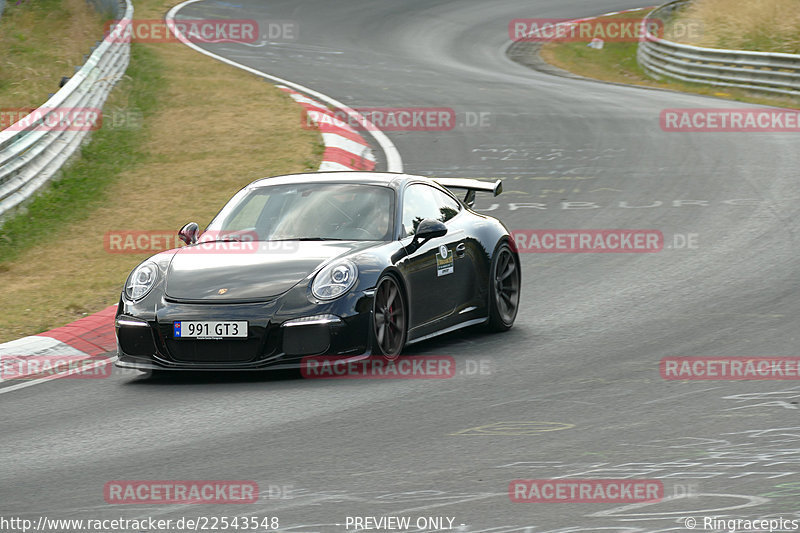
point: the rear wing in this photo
(471, 186)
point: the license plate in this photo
(191, 329)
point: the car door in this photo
(464, 276)
(429, 267)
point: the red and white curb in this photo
(345, 148)
(615, 13)
(87, 337)
(394, 163)
(572, 22)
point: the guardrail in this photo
(761, 71)
(32, 152)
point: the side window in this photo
(419, 203)
(448, 207)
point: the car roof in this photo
(387, 179)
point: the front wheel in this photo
(504, 290)
(389, 318)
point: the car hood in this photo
(219, 272)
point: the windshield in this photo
(314, 211)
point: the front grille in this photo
(214, 351)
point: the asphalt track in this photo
(573, 390)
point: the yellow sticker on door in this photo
(444, 261)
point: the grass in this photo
(83, 186)
(762, 25)
(616, 62)
(40, 42)
(202, 131)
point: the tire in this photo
(389, 318)
(504, 287)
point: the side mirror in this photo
(429, 229)
(189, 233)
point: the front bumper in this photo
(277, 338)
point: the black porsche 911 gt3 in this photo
(331, 263)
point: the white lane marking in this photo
(451, 502)
(31, 383)
(687, 393)
(394, 162)
(622, 512)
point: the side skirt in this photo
(473, 322)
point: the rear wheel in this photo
(504, 290)
(389, 318)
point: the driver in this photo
(372, 218)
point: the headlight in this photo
(141, 281)
(334, 280)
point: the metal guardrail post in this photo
(760, 71)
(32, 154)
